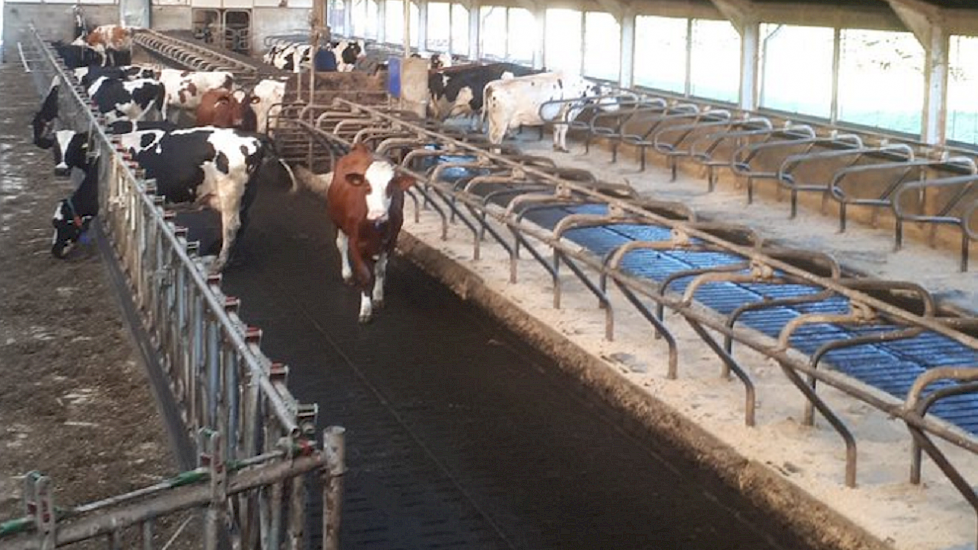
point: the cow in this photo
(267, 97)
(211, 167)
(459, 92)
(289, 57)
(114, 42)
(436, 60)
(87, 75)
(140, 99)
(340, 56)
(222, 109)
(184, 89)
(365, 201)
(73, 215)
(43, 122)
(79, 55)
(517, 102)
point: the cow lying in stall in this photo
(210, 167)
(517, 102)
(365, 200)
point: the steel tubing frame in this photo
(215, 482)
(207, 349)
(189, 55)
(637, 290)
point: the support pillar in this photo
(935, 95)
(475, 46)
(626, 77)
(750, 55)
(423, 25)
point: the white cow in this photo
(267, 97)
(516, 102)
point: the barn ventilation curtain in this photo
(881, 80)
(660, 53)
(714, 67)
(962, 90)
(797, 69)
(563, 40)
(602, 46)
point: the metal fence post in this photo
(334, 447)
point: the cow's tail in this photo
(267, 142)
(317, 183)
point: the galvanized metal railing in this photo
(522, 186)
(218, 487)
(206, 347)
(213, 360)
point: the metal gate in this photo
(233, 398)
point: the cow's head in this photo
(43, 123)
(379, 182)
(603, 96)
(69, 226)
(70, 151)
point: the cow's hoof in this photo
(364, 319)
(378, 304)
(348, 280)
(560, 149)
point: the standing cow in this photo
(459, 92)
(365, 200)
(139, 99)
(73, 215)
(210, 167)
(518, 102)
(184, 89)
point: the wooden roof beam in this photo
(920, 17)
(739, 12)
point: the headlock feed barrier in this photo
(821, 325)
(257, 441)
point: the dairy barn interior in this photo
(697, 274)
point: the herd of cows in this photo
(216, 163)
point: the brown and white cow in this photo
(365, 200)
(184, 89)
(221, 108)
(113, 42)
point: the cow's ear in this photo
(255, 100)
(402, 182)
(355, 179)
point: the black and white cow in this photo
(140, 99)
(80, 55)
(459, 92)
(210, 167)
(73, 215)
(294, 56)
(43, 122)
(88, 75)
(518, 102)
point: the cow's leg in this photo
(343, 245)
(366, 308)
(560, 137)
(380, 270)
(230, 222)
